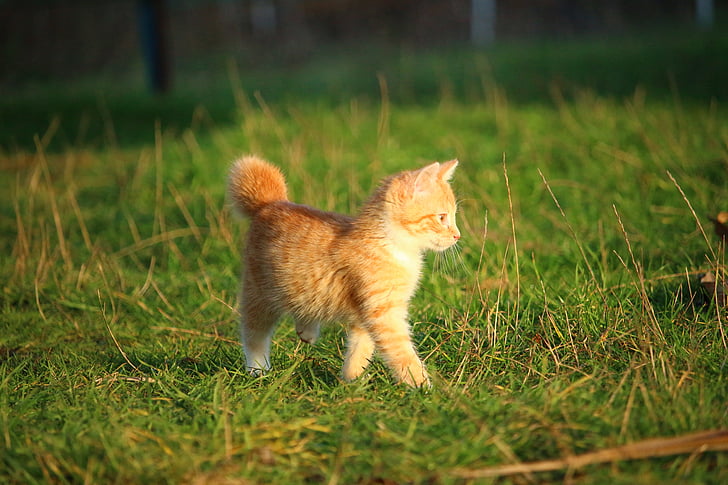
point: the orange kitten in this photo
(320, 266)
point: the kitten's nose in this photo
(456, 236)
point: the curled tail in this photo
(254, 183)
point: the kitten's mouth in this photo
(442, 246)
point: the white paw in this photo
(258, 366)
(257, 371)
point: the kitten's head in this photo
(421, 207)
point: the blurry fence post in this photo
(704, 13)
(263, 17)
(152, 17)
(482, 21)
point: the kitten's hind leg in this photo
(308, 331)
(359, 351)
(257, 324)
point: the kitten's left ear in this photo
(447, 169)
(427, 175)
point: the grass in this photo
(570, 320)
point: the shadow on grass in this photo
(142, 362)
(690, 317)
(684, 295)
(312, 371)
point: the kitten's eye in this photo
(442, 218)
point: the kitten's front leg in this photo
(359, 351)
(392, 336)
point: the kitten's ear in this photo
(425, 177)
(447, 169)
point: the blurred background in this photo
(71, 67)
(44, 39)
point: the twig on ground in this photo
(693, 443)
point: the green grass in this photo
(570, 320)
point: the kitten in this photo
(321, 266)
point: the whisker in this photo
(457, 258)
(449, 261)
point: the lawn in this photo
(570, 318)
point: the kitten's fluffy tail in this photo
(253, 183)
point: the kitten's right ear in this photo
(447, 169)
